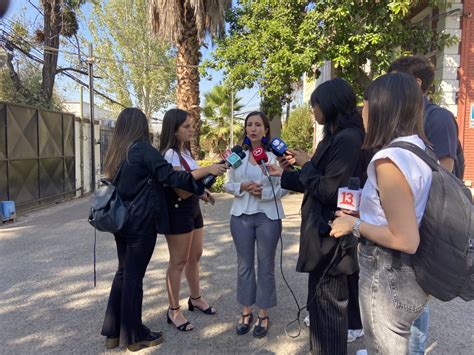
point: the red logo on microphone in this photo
(258, 151)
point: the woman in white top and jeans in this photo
(392, 205)
(185, 237)
(255, 221)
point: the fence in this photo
(37, 155)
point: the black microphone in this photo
(233, 160)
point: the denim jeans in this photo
(419, 333)
(390, 299)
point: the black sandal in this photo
(243, 328)
(258, 330)
(210, 310)
(182, 327)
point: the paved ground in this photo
(48, 303)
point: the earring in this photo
(264, 140)
(247, 141)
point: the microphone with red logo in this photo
(348, 198)
(261, 158)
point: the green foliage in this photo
(298, 130)
(219, 184)
(121, 30)
(215, 129)
(31, 77)
(272, 43)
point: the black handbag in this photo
(108, 213)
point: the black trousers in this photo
(355, 322)
(123, 316)
(328, 314)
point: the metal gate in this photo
(37, 155)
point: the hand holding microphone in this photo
(233, 159)
(348, 200)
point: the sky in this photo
(70, 91)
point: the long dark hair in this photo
(266, 125)
(172, 120)
(337, 102)
(131, 126)
(395, 109)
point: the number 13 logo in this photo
(348, 198)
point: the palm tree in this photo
(217, 111)
(184, 23)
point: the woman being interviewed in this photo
(338, 157)
(140, 171)
(392, 206)
(186, 233)
(255, 220)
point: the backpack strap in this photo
(184, 163)
(423, 155)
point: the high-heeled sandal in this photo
(209, 310)
(258, 330)
(243, 328)
(182, 327)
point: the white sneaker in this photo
(353, 334)
(361, 352)
(306, 321)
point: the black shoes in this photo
(153, 339)
(182, 327)
(112, 342)
(208, 310)
(258, 330)
(243, 328)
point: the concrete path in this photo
(48, 303)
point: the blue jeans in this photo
(419, 333)
(390, 299)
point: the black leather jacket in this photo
(141, 181)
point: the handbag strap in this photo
(184, 163)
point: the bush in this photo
(219, 184)
(298, 131)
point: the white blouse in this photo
(244, 202)
(173, 158)
(416, 172)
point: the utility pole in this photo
(231, 118)
(90, 62)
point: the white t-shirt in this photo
(416, 172)
(173, 158)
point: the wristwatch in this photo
(356, 228)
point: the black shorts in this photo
(184, 215)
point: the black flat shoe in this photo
(112, 342)
(243, 328)
(209, 310)
(258, 330)
(152, 339)
(182, 327)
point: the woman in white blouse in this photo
(255, 222)
(392, 205)
(185, 237)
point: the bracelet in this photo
(356, 228)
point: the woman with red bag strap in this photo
(185, 238)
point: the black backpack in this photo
(444, 261)
(108, 213)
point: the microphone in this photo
(348, 198)
(232, 158)
(279, 148)
(261, 158)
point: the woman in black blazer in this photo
(141, 172)
(338, 157)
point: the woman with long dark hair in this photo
(338, 157)
(392, 205)
(185, 237)
(140, 172)
(255, 222)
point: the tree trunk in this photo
(187, 90)
(52, 29)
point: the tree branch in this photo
(60, 70)
(17, 84)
